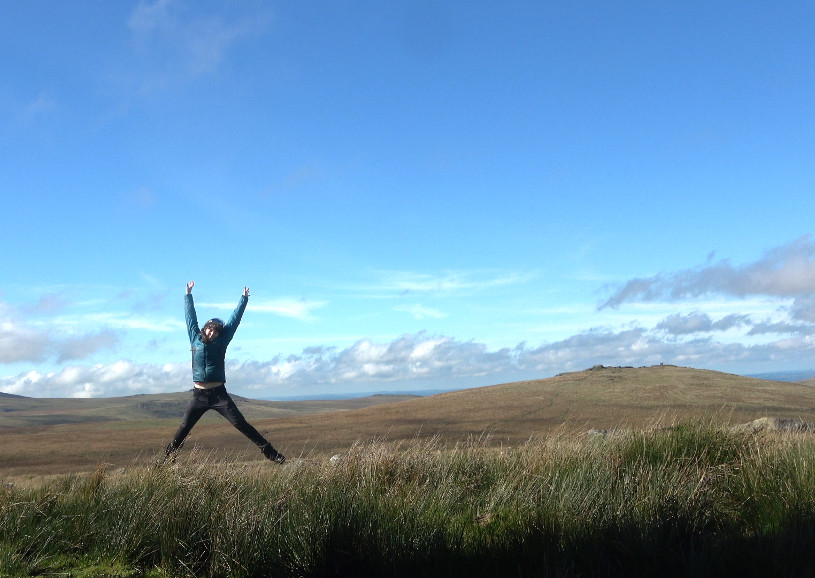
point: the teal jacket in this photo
(208, 358)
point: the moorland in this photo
(654, 471)
(46, 437)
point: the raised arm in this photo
(189, 313)
(235, 319)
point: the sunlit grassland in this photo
(47, 437)
(693, 499)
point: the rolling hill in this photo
(599, 398)
(17, 411)
(54, 436)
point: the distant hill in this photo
(77, 435)
(598, 398)
(800, 375)
(18, 411)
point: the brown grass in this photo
(510, 414)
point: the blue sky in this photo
(419, 194)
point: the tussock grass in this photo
(694, 499)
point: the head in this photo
(212, 329)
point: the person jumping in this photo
(209, 376)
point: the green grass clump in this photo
(690, 500)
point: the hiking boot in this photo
(272, 454)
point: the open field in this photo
(494, 481)
(694, 499)
(53, 437)
(43, 437)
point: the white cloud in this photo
(421, 312)
(416, 360)
(122, 320)
(698, 322)
(285, 307)
(732, 321)
(449, 282)
(103, 380)
(51, 303)
(776, 327)
(786, 271)
(147, 16)
(683, 324)
(175, 41)
(406, 358)
(803, 308)
(36, 333)
(84, 346)
(21, 343)
(782, 327)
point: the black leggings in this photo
(218, 399)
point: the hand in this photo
(190, 285)
(245, 291)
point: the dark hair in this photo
(216, 323)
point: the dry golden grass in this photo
(124, 433)
(607, 398)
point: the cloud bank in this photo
(786, 271)
(20, 342)
(419, 361)
(116, 379)
(697, 322)
(780, 333)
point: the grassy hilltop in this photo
(494, 481)
(598, 398)
(56, 436)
